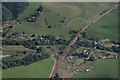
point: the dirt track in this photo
(53, 66)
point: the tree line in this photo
(24, 61)
(46, 40)
(90, 43)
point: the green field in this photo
(101, 69)
(16, 51)
(76, 15)
(16, 48)
(0, 74)
(39, 69)
(30, 9)
(40, 27)
(107, 27)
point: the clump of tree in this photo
(6, 30)
(80, 54)
(49, 26)
(73, 32)
(31, 44)
(92, 58)
(116, 49)
(35, 15)
(56, 77)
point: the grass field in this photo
(39, 69)
(0, 73)
(40, 27)
(30, 9)
(88, 12)
(107, 27)
(16, 51)
(101, 69)
(76, 16)
(16, 48)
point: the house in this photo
(77, 70)
(116, 56)
(95, 43)
(104, 40)
(71, 57)
(41, 38)
(102, 57)
(1, 56)
(85, 51)
(87, 70)
(1, 31)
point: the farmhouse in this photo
(87, 70)
(0, 30)
(1, 56)
(104, 40)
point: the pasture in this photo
(40, 27)
(74, 15)
(107, 27)
(39, 69)
(30, 9)
(16, 48)
(16, 52)
(101, 69)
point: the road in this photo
(53, 66)
(62, 57)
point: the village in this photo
(70, 52)
(78, 59)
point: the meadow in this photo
(16, 51)
(74, 15)
(30, 9)
(16, 48)
(101, 69)
(107, 27)
(39, 69)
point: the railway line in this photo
(62, 57)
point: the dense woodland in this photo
(25, 61)
(11, 10)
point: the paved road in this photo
(62, 57)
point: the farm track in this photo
(62, 57)
(53, 66)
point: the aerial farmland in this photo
(60, 40)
